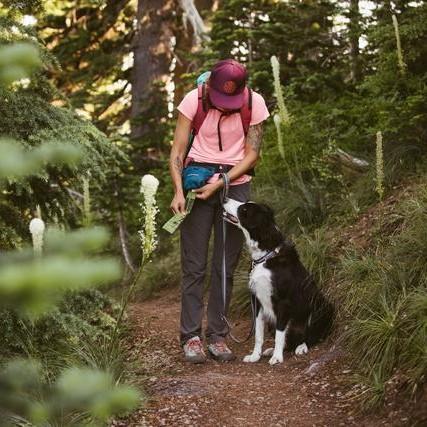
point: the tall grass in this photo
(385, 298)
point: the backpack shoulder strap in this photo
(246, 110)
(202, 108)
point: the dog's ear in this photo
(264, 216)
(268, 211)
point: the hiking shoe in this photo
(220, 351)
(193, 351)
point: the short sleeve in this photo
(259, 109)
(188, 106)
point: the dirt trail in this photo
(308, 390)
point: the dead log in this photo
(196, 21)
(347, 160)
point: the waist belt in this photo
(219, 167)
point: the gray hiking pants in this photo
(195, 234)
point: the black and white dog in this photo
(286, 294)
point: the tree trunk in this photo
(354, 35)
(185, 43)
(152, 58)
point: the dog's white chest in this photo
(260, 284)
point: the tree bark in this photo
(152, 50)
(354, 35)
(193, 16)
(185, 43)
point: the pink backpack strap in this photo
(246, 110)
(202, 108)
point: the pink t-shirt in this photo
(205, 145)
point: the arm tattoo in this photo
(254, 137)
(178, 164)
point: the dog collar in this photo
(267, 256)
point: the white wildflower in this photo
(149, 185)
(37, 228)
(285, 118)
(401, 62)
(379, 165)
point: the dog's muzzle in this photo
(230, 211)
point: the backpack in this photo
(203, 109)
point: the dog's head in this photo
(248, 215)
(256, 220)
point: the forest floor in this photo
(310, 390)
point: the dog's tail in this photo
(320, 321)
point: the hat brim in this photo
(228, 102)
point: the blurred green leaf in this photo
(17, 61)
(94, 391)
(16, 162)
(35, 287)
(76, 242)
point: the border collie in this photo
(286, 293)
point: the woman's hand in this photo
(178, 203)
(207, 190)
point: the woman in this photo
(221, 140)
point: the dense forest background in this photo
(343, 162)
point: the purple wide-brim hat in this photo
(227, 84)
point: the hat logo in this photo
(229, 87)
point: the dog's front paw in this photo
(275, 359)
(252, 358)
(301, 349)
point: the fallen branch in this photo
(192, 15)
(75, 193)
(122, 235)
(345, 159)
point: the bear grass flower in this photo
(284, 115)
(37, 228)
(379, 181)
(149, 186)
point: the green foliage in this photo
(299, 34)
(52, 133)
(384, 297)
(31, 284)
(19, 58)
(78, 397)
(15, 162)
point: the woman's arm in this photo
(252, 149)
(176, 160)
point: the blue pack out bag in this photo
(196, 176)
(203, 78)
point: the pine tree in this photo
(28, 114)
(298, 33)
